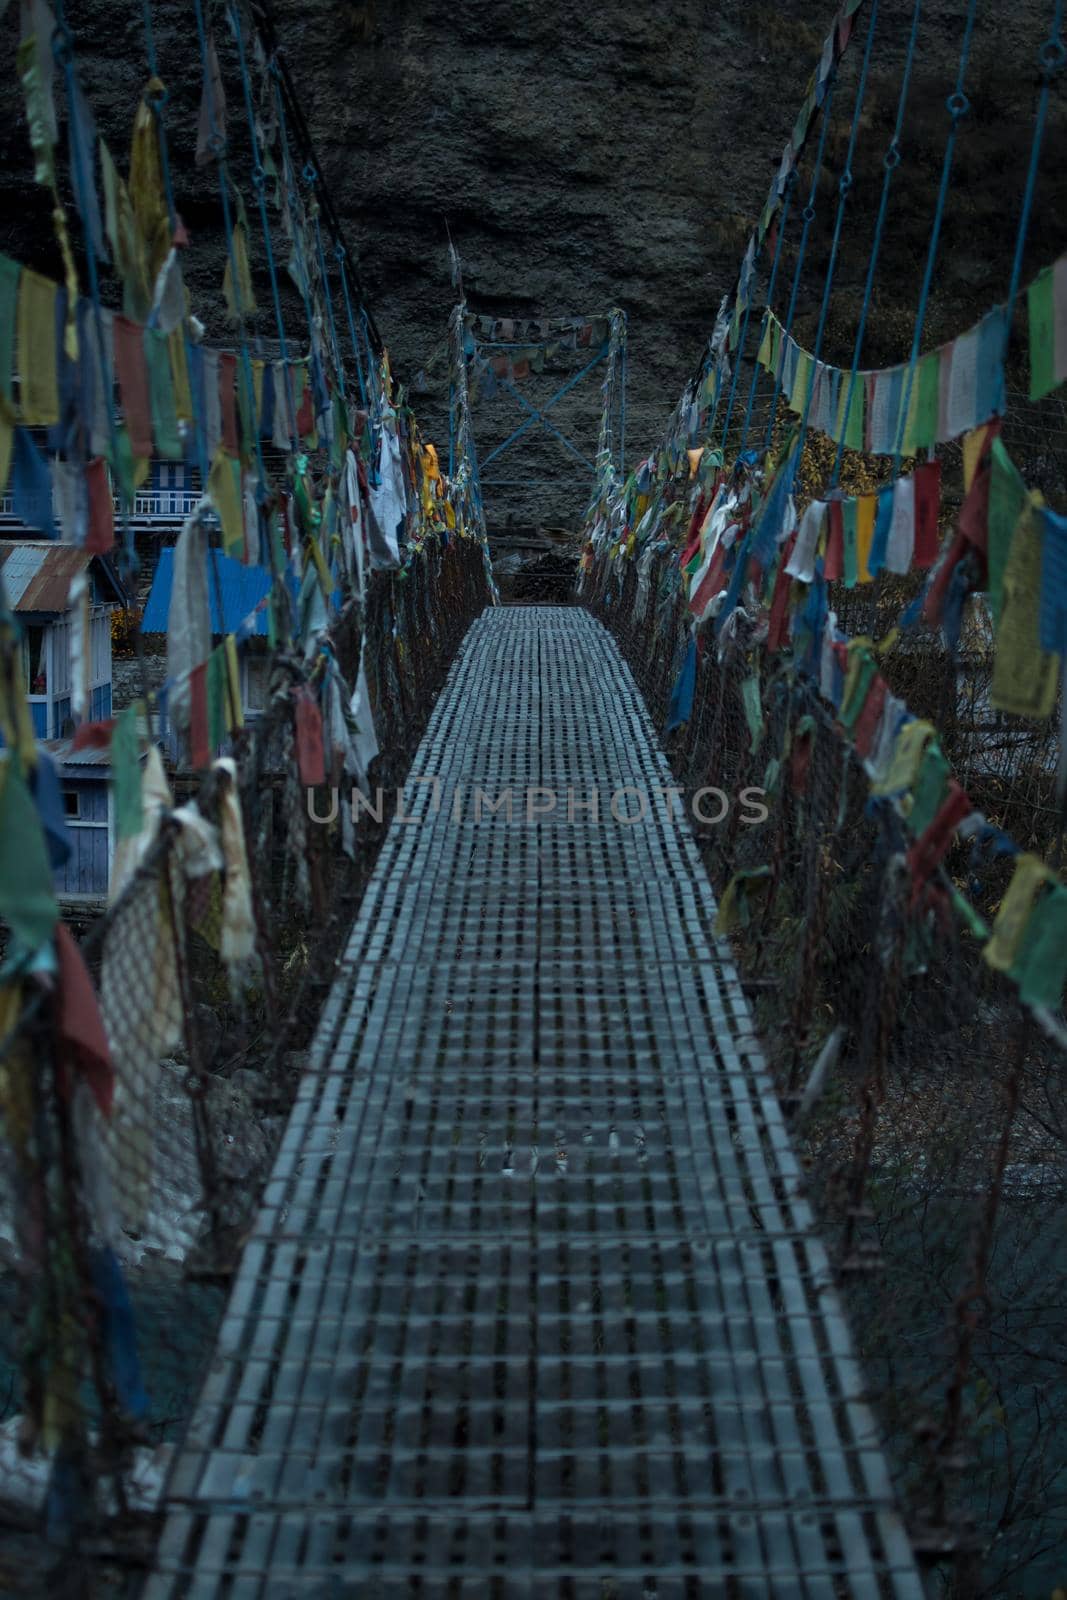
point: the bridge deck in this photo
(534, 1305)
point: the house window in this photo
(72, 804)
(256, 673)
(36, 645)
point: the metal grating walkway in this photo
(534, 1305)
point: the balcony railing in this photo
(152, 505)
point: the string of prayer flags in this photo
(1047, 307)
(953, 389)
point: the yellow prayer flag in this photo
(237, 279)
(1030, 875)
(972, 450)
(907, 756)
(234, 711)
(866, 508)
(179, 371)
(224, 489)
(320, 566)
(38, 388)
(146, 181)
(1024, 675)
(257, 386)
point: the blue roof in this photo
(241, 587)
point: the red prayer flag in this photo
(711, 582)
(866, 724)
(310, 756)
(305, 416)
(800, 761)
(928, 851)
(778, 628)
(228, 402)
(101, 534)
(927, 506)
(132, 370)
(80, 1038)
(94, 735)
(835, 543)
(199, 743)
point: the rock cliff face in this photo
(597, 153)
(589, 153)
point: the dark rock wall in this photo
(589, 154)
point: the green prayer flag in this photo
(161, 395)
(970, 918)
(851, 427)
(856, 694)
(920, 429)
(750, 698)
(27, 897)
(126, 774)
(1007, 499)
(929, 791)
(1042, 335)
(849, 517)
(1040, 967)
(216, 697)
(10, 272)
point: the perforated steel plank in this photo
(534, 1305)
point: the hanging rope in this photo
(63, 50)
(844, 188)
(958, 107)
(259, 183)
(808, 217)
(890, 163)
(327, 294)
(1051, 58)
(340, 253)
(217, 146)
(791, 185)
(158, 102)
(264, 17)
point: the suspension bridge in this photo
(535, 1302)
(563, 1100)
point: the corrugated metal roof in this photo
(64, 754)
(242, 589)
(37, 574)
